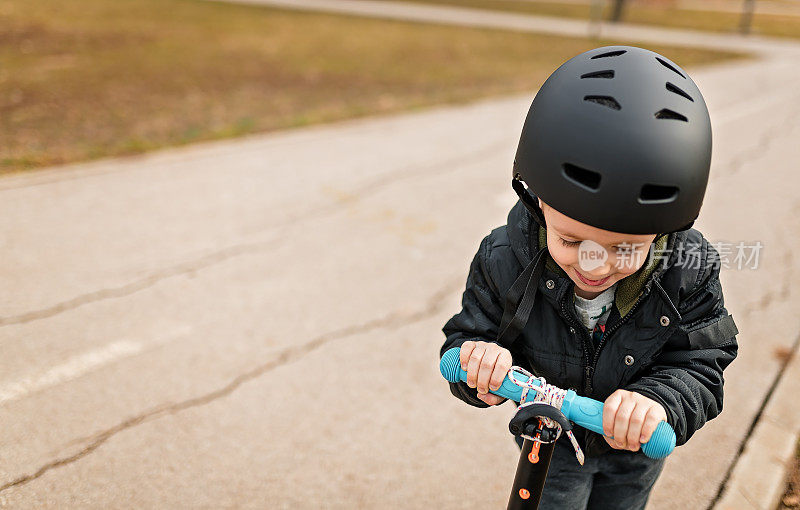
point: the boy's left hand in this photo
(630, 418)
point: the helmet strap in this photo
(528, 201)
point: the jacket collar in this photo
(521, 228)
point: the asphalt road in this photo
(256, 323)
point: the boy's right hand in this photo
(486, 365)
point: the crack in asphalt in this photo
(224, 254)
(135, 286)
(392, 321)
(766, 141)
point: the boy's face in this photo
(593, 258)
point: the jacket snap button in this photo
(664, 320)
(629, 360)
(572, 330)
(550, 284)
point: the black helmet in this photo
(618, 138)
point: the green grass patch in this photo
(85, 79)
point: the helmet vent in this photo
(657, 194)
(670, 67)
(582, 177)
(680, 92)
(599, 74)
(666, 113)
(608, 101)
(610, 54)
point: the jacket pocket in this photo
(713, 335)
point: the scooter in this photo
(541, 419)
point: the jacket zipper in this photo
(589, 351)
(586, 342)
(608, 334)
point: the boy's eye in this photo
(568, 243)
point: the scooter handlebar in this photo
(583, 411)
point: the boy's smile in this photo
(589, 281)
(595, 259)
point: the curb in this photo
(759, 476)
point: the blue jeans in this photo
(619, 479)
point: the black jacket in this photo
(668, 337)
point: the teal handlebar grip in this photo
(583, 411)
(588, 413)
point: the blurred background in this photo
(232, 232)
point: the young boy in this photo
(598, 283)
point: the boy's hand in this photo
(486, 365)
(630, 418)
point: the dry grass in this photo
(83, 79)
(644, 12)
